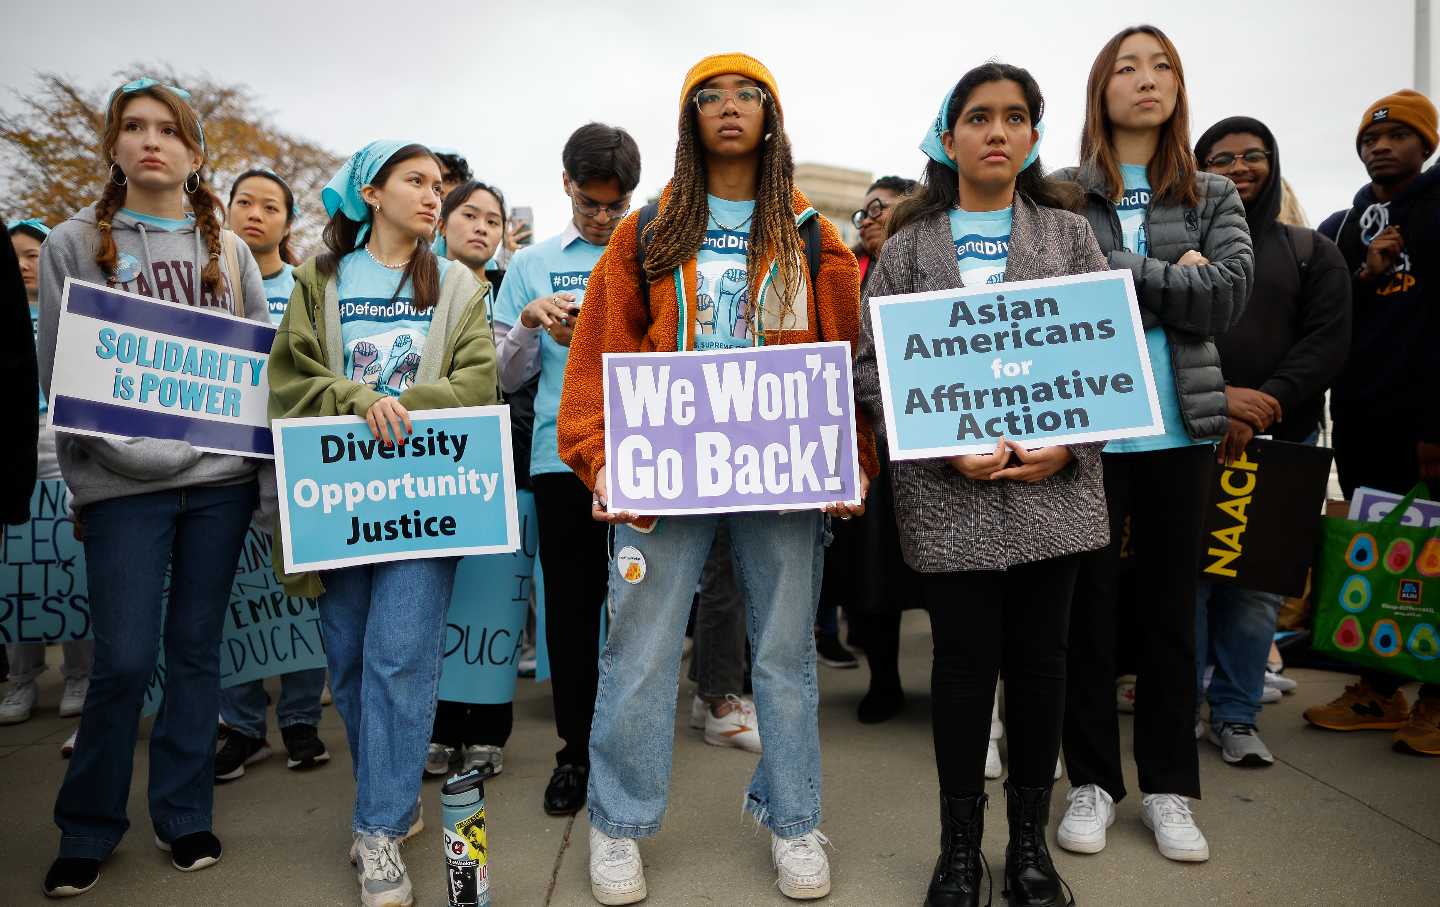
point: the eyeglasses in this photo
(711, 101)
(1226, 159)
(871, 211)
(591, 208)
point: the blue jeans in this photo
(243, 706)
(129, 543)
(384, 628)
(778, 560)
(1235, 627)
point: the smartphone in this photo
(523, 219)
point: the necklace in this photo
(735, 228)
(382, 264)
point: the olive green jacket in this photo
(457, 366)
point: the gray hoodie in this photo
(164, 265)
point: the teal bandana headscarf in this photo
(342, 193)
(34, 224)
(934, 145)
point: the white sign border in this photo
(512, 516)
(738, 508)
(1157, 421)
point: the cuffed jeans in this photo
(27, 660)
(384, 627)
(243, 706)
(129, 542)
(778, 559)
(1234, 626)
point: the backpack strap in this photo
(642, 243)
(1302, 248)
(230, 260)
(809, 223)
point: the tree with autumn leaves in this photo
(50, 147)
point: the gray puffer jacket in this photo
(1193, 304)
(947, 522)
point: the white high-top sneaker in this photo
(617, 875)
(801, 864)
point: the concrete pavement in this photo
(1339, 820)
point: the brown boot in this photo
(1421, 734)
(1360, 708)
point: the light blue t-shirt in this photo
(168, 224)
(559, 264)
(1132, 209)
(277, 291)
(722, 292)
(982, 244)
(383, 340)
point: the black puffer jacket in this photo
(1194, 304)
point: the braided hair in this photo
(202, 200)
(678, 231)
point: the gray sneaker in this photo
(1240, 744)
(383, 879)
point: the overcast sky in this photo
(506, 82)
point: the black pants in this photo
(1011, 622)
(880, 633)
(1388, 464)
(460, 724)
(1166, 493)
(574, 555)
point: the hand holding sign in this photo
(1035, 465)
(388, 421)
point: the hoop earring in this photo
(114, 168)
(189, 189)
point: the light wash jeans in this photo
(243, 706)
(384, 626)
(778, 560)
(1235, 627)
(27, 660)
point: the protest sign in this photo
(266, 631)
(1055, 361)
(447, 490)
(1264, 517)
(487, 613)
(726, 431)
(129, 366)
(43, 590)
(1370, 505)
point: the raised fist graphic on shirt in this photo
(398, 349)
(404, 374)
(360, 359)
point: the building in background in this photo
(835, 192)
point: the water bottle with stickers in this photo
(467, 849)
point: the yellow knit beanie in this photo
(728, 64)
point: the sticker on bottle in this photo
(631, 563)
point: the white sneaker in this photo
(19, 702)
(417, 825)
(617, 875)
(1125, 693)
(437, 759)
(67, 749)
(383, 879)
(698, 709)
(1176, 834)
(993, 766)
(1280, 682)
(72, 702)
(803, 868)
(1090, 812)
(489, 758)
(737, 727)
(1270, 695)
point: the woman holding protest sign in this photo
(733, 181)
(1182, 235)
(996, 537)
(378, 287)
(147, 506)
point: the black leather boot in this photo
(956, 881)
(1030, 876)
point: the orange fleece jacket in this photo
(614, 319)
